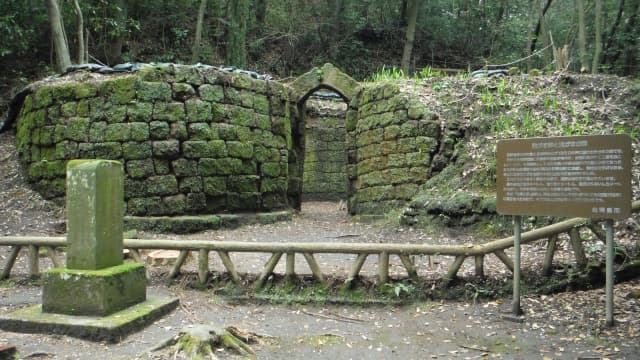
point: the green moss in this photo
(159, 130)
(198, 110)
(153, 91)
(202, 131)
(169, 111)
(78, 129)
(136, 150)
(84, 90)
(211, 93)
(215, 186)
(162, 185)
(166, 149)
(117, 132)
(140, 168)
(242, 150)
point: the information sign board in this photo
(575, 176)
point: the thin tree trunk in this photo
(532, 12)
(114, 50)
(63, 59)
(410, 35)
(195, 52)
(80, 32)
(261, 13)
(536, 32)
(237, 33)
(598, 38)
(612, 33)
(582, 38)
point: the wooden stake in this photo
(547, 264)
(506, 260)
(411, 270)
(453, 269)
(383, 267)
(353, 274)
(479, 262)
(228, 264)
(268, 269)
(179, 262)
(290, 270)
(34, 260)
(578, 249)
(597, 231)
(135, 254)
(203, 266)
(53, 255)
(313, 265)
(15, 250)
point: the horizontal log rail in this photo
(307, 250)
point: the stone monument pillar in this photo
(96, 281)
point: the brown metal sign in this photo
(575, 176)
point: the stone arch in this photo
(326, 77)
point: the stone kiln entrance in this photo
(319, 156)
(325, 157)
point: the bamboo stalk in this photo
(53, 255)
(411, 270)
(290, 270)
(313, 265)
(355, 270)
(268, 269)
(578, 249)
(179, 262)
(547, 263)
(203, 266)
(228, 264)
(6, 271)
(479, 262)
(506, 260)
(453, 269)
(34, 260)
(383, 267)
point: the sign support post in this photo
(517, 230)
(609, 273)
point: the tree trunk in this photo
(410, 35)
(598, 38)
(631, 42)
(114, 46)
(237, 33)
(536, 32)
(80, 32)
(261, 13)
(582, 39)
(63, 59)
(195, 52)
(532, 12)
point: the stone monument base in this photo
(112, 328)
(93, 292)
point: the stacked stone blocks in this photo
(192, 141)
(391, 139)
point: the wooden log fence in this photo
(383, 251)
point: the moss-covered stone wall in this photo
(191, 140)
(325, 161)
(391, 142)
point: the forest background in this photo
(285, 38)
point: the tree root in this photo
(198, 341)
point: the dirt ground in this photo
(560, 326)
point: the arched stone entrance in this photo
(326, 77)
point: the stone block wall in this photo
(192, 140)
(391, 141)
(325, 161)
